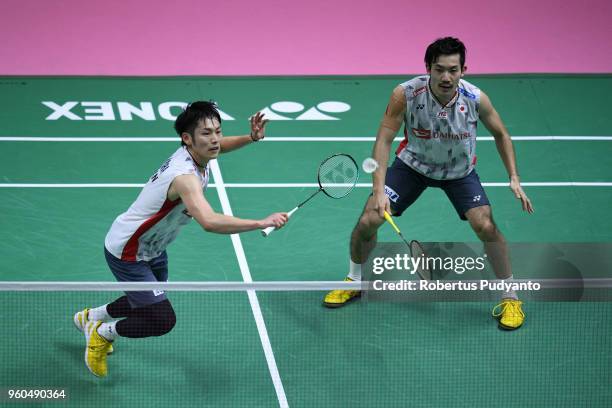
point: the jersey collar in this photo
(450, 103)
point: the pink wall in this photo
(312, 37)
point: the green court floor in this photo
(367, 354)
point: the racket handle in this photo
(390, 221)
(267, 231)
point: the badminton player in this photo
(135, 246)
(440, 112)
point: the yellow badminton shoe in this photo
(96, 350)
(80, 319)
(509, 314)
(341, 297)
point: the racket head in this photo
(338, 175)
(416, 251)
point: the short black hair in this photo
(444, 46)
(193, 113)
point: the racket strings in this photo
(417, 251)
(338, 175)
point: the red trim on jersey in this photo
(403, 143)
(131, 247)
(474, 160)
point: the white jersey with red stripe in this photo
(144, 231)
(439, 140)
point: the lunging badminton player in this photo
(440, 112)
(135, 246)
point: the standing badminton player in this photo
(440, 112)
(135, 246)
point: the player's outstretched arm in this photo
(492, 121)
(258, 127)
(187, 187)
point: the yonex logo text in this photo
(108, 110)
(126, 111)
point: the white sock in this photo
(107, 330)
(99, 313)
(354, 271)
(511, 293)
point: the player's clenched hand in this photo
(276, 220)
(515, 186)
(381, 204)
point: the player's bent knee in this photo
(170, 322)
(370, 221)
(146, 321)
(164, 317)
(160, 318)
(485, 228)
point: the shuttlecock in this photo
(369, 165)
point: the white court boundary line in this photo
(283, 139)
(291, 185)
(246, 276)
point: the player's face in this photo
(445, 74)
(204, 144)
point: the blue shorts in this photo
(403, 186)
(155, 270)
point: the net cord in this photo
(260, 286)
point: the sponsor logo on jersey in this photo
(443, 115)
(393, 196)
(163, 168)
(466, 93)
(422, 133)
(451, 136)
(428, 134)
(419, 91)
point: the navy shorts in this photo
(403, 186)
(155, 270)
